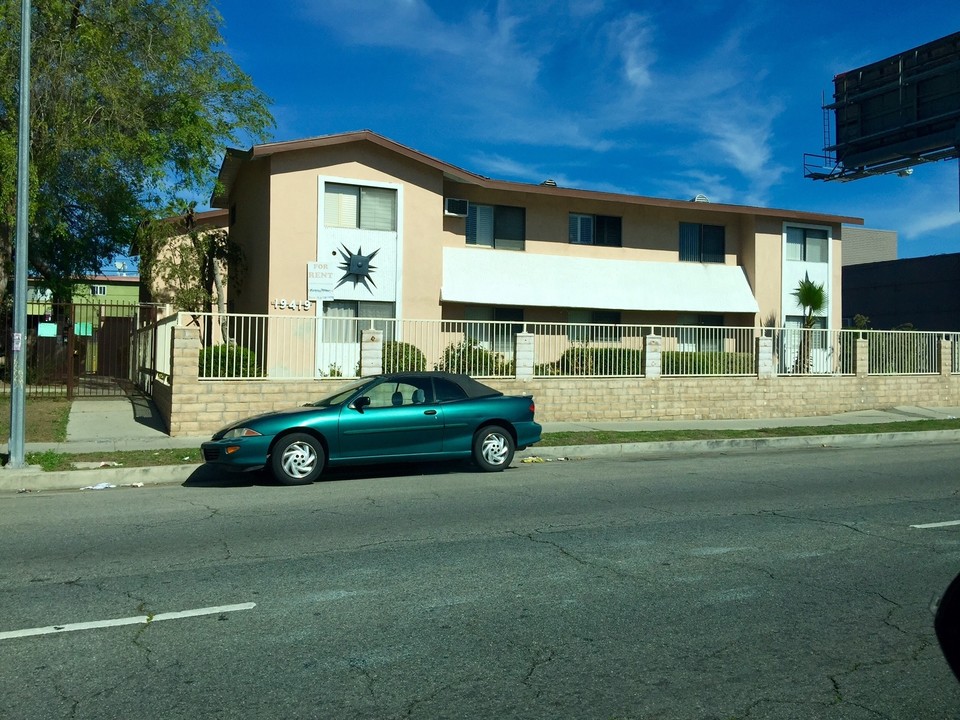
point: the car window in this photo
(338, 396)
(395, 394)
(448, 391)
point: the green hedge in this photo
(402, 357)
(675, 362)
(472, 358)
(585, 360)
(229, 361)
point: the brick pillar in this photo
(652, 356)
(185, 354)
(525, 356)
(764, 355)
(946, 356)
(184, 381)
(862, 358)
(371, 352)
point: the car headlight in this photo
(239, 432)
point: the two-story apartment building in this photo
(357, 225)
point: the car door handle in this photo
(429, 412)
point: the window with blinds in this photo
(595, 230)
(496, 226)
(807, 244)
(702, 243)
(355, 206)
(341, 324)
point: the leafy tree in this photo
(812, 297)
(184, 263)
(132, 103)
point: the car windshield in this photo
(338, 396)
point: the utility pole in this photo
(19, 375)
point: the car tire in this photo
(493, 448)
(297, 459)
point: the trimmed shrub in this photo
(229, 361)
(472, 358)
(402, 357)
(586, 360)
(674, 362)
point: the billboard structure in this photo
(893, 114)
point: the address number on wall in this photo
(283, 304)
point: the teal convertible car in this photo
(397, 417)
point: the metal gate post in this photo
(68, 329)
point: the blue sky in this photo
(668, 99)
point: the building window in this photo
(354, 206)
(807, 244)
(594, 326)
(340, 320)
(702, 243)
(703, 336)
(98, 290)
(486, 325)
(496, 226)
(794, 326)
(595, 230)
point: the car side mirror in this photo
(361, 402)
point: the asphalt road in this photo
(753, 585)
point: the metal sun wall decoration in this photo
(357, 268)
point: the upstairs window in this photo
(702, 243)
(354, 206)
(496, 226)
(98, 290)
(595, 230)
(807, 244)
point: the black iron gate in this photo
(77, 350)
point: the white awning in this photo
(481, 276)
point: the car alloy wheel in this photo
(493, 448)
(297, 459)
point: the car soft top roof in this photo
(472, 388)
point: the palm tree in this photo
(812, 297)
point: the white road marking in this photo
(936, 525)
(139, 620)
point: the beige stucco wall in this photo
(294, 188)
(251, 203)
(278, 213)
(764, 268)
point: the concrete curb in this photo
(34, 479)
(693, 447)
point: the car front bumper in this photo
(247, 453)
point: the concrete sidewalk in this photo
(107, 425)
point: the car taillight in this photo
(533, 407)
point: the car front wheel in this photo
(493, 448)
(297, 459)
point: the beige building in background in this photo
(866, 245)
(357, 225)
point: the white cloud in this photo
(634, 38)
(579, 75)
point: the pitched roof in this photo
(234, 159)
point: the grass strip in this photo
(50, 460)
(606, 437)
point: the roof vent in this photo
(549, 183)
(701, 198)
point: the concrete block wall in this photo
(193, 407)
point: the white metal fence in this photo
(280, 347)
(152, 346)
